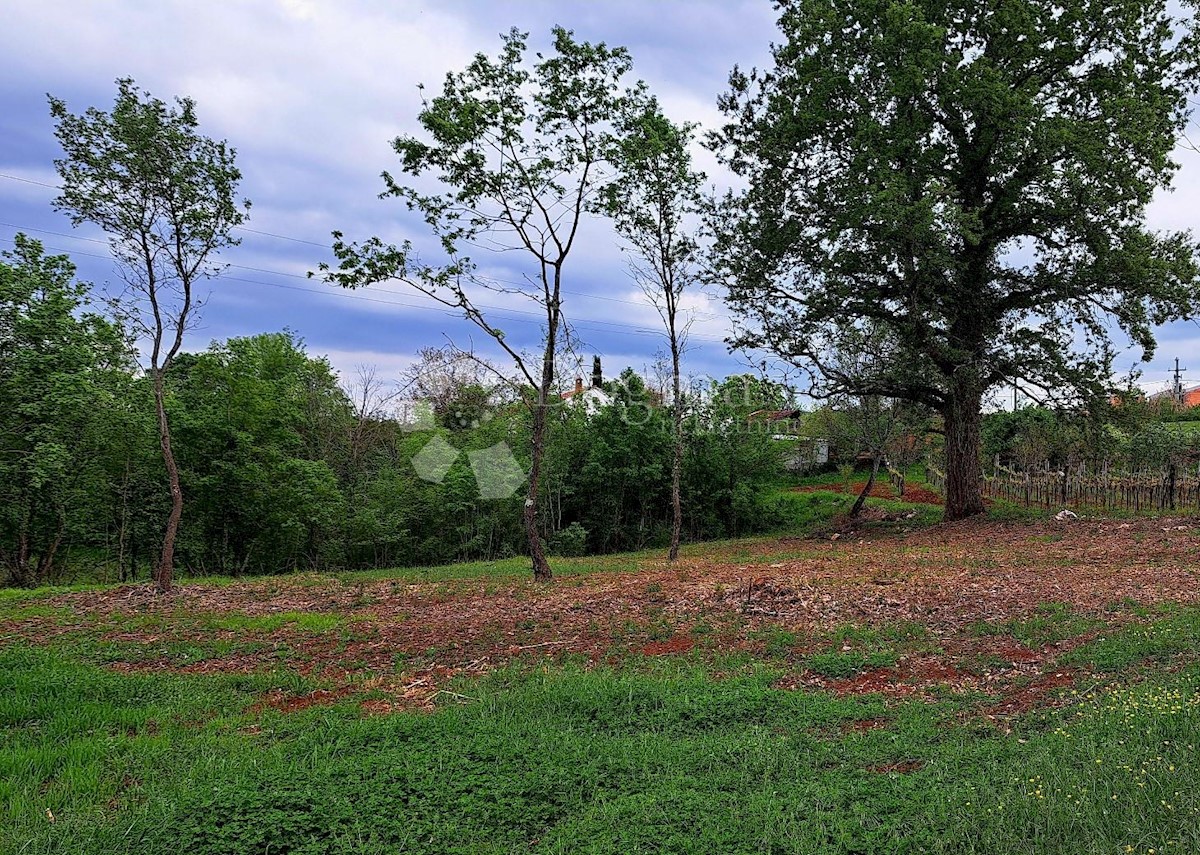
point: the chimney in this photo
(578, 385)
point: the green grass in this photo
(661, 755)
(810, 511)
(1156, 643)
(1050, 623)
(689, 754)
(841, 664)
(1182, 427)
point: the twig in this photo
(546, 643)
(453, 694)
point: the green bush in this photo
(570, 541)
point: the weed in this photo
(777, 643)
(839, 665)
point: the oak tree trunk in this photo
(963, 417)
(165, 570)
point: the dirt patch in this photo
(901, 767)
(285, 702)
(1037, 693)
(948, 580)
(673, 645)
(921, 495)
(379, 707)
(862, 725)
(881, 489)
(885, 681)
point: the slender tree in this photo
(522, 151)
(653, 207)
(167, 197)
(973, 179)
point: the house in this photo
(806, 452)
(783, 424)
(593, 398)
(1188, 397)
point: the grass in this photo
(841, 664)
(659, 758)
(695, 753)
(1051, 623)
(802, 514)
(1182, 427)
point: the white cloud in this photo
(388, 365)
(311, 92)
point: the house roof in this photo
(599, 393)
(1169, 392)
(574, 392)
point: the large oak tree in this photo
(970, 178)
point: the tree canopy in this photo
(166, 195)
(970, 179)
(62, 374)
(522, 151)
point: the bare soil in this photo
(403, 643)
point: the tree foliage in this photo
(63, 372)
(522, 150)
(653, 206)
(166, 196)
(970, 178)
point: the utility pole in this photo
(1177, 389)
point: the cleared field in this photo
(986, 686)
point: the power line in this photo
(707, 316)
(30, 181)
(284, 237)
(589, 326)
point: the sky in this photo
(311, 93)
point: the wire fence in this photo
(1168, 490)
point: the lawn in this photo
(992, 686)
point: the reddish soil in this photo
(1025, 698)
(406, 642)
(864, 724)
(279, 700)
(881, 489)
(674, 644)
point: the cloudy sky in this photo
(311, 92)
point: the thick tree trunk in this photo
(677, 458)
(866, 491)
(165, 571)
(964, 488)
